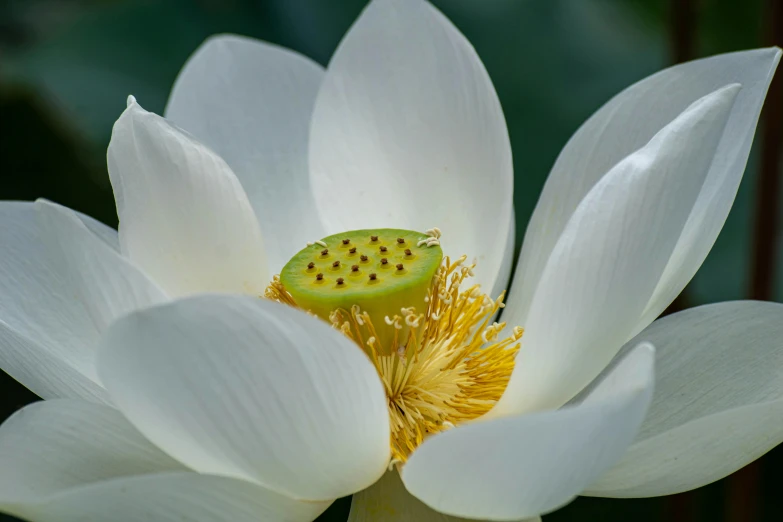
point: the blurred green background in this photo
(67, 66)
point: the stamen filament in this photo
(441, 367)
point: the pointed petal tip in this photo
(778, 52)
(773, 54)
(720, 100)
(646, 346)
(43, 202)
(133, 110)
(44, 206)
(731, 89)
(645, 349)
(216, 39)
(646, 352)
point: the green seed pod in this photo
(356, 258)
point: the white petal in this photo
(106, 284)
(41, 322)
(252, 389)
(626, 123)
(720, 188)
(173, 497)
(50, 447)
(68, 460)
(718, 401)
(60, 284)
(609, 258)
(388, 501)
(184, 217)
(105, 233)
(504, 273)
(408, 132)
(251, 102)
(49, 371)
(524, 466)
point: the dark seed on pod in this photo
(319, 276)
(352, 250)
(340, 280)
(363, 258)
(384, 261)
(384, 249)
(336, 264)
(373, 238)
(346, 241)
(408, 252)
(325, 252)
(400, 240)
(399, 266)
(373, 276)
(310, 265)
(355, 268)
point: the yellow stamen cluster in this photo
(277, 292)
(444, 366)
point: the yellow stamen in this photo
(449, 368)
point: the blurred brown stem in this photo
(766, 224)
(683, 30)
(743, 495)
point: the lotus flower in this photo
(380, 371)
